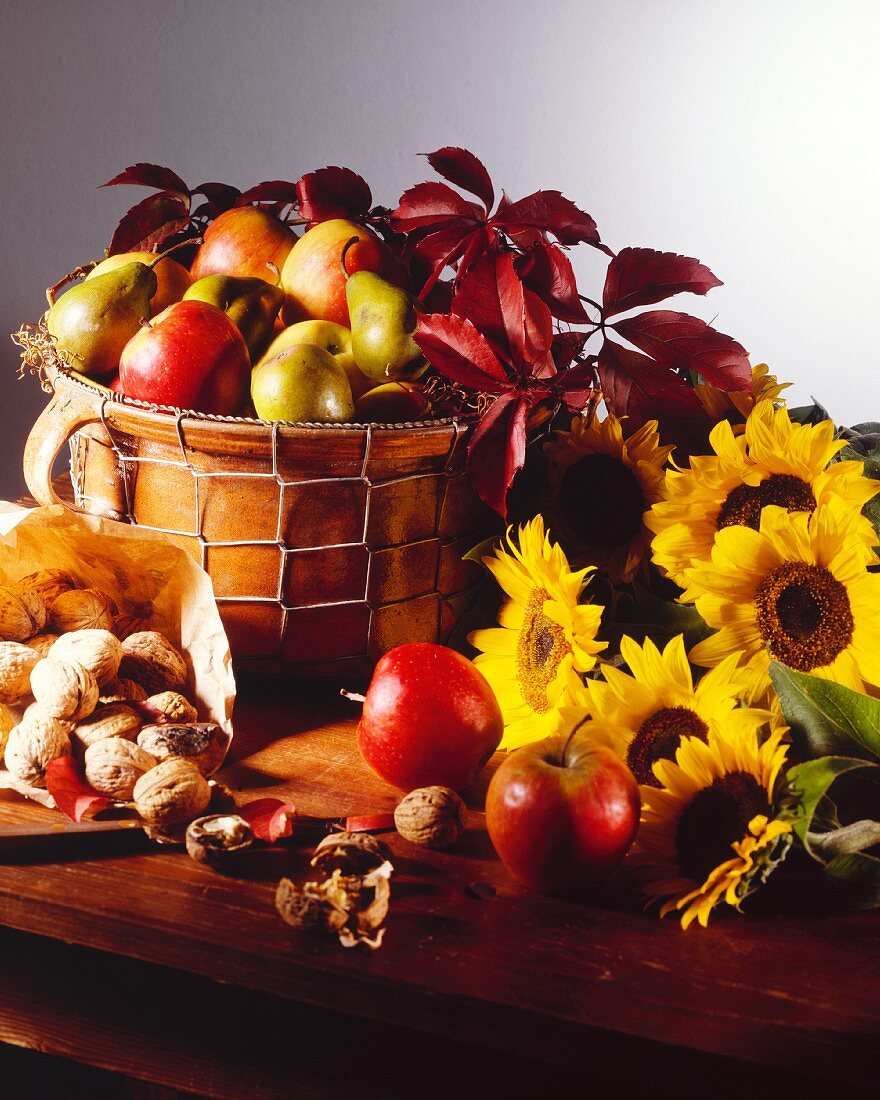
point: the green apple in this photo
(302, 384)
(328, 335)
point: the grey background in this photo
(742, 133)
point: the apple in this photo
(325, 334)
(312, 276)
(430, 718)
(172, 278)
(562, 813)
(391, 403)
(191, 356)
(243, 241)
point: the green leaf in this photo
(647, 615)
(807, 784)
(483, 549)
(827, 718)
(859, 874)
(808, 414)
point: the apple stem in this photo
(353, 695)
(345, 248)
(274, 271)
(568, 739)
(174, 248)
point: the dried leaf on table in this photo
(73, 796)
(270, 818)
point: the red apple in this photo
(562, 814)
(243, 241)
(190, 356)
(429, 719)
(312, 275)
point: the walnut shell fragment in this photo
(201, 743)
(216, 838)
(353, 907)
(349, 853)
(432, 817)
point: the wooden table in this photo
(136, 959)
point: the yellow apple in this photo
(328, 335)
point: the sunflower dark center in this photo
(602, 501)
(541, 647)
(744, 503)
(715, 818)
(658, 737)
(804, 615)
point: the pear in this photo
(94, 320)
(302, 384)
(251, 304)
(383, 319)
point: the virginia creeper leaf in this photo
(460, 352)
(73, 796)
(642, 276)
(681, 342)
(462, 168)
(333, 193)
(150, 175)
(220, 196)
(279, 192)
(150, 222)
(550, 212)
(498, 450)
(270, 818)
(547, 270)
(433, 204)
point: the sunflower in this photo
(645, 716)
(798, 590)
(736, 405)
(710, 832)
(773, 462)
(600, 486)
(545, 637)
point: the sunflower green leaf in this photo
(827, 718)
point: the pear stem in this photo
(353, 695)
(77, 273)
(274, 271)
(174, 248)
(345, 248)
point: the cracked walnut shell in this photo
(172, 793)
(37, 740)
(97, 650)
(201, 743)
(17, 662)
(113, 767)
(108, 720)
(22, 613)
(82, 609)
(64, 689)
(151, 660)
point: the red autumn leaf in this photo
(277, 192)
(442, 247)
(462, 168)
(642, 276)
(366, 823)
(270, 818)
(461, 353)
(73, 796)
(220, 196)
(681, 342)
(150, 175)
(497, 450)
(333, 193)
(550, 212)
(434, 204)
(150, 222)
(637, 387)
(576, 385)
(566, 347)
(547, 270)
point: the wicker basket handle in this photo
(65, 414)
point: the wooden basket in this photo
(327, 544)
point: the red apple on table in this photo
(243, 241)
(430, 718)
(562, 814)
(190, 356)
(312, 276)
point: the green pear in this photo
(251, 304)
(93, 321)
(302, 384)
(383, 319)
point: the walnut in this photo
(202, 743)
(217, 838)
(120, 690)
(108, 720)
(6, 724)
(433, 817)
(64, 689)
(349, 853)
(173, 792)
(49, 583)
(151, 660)
(126, 625)
(114, 765)
(37, 740)
(97, 650)
(22, 613)
(17, 661)
(82, 609)
(42, 643)
(170, 706)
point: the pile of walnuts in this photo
(76, 677)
